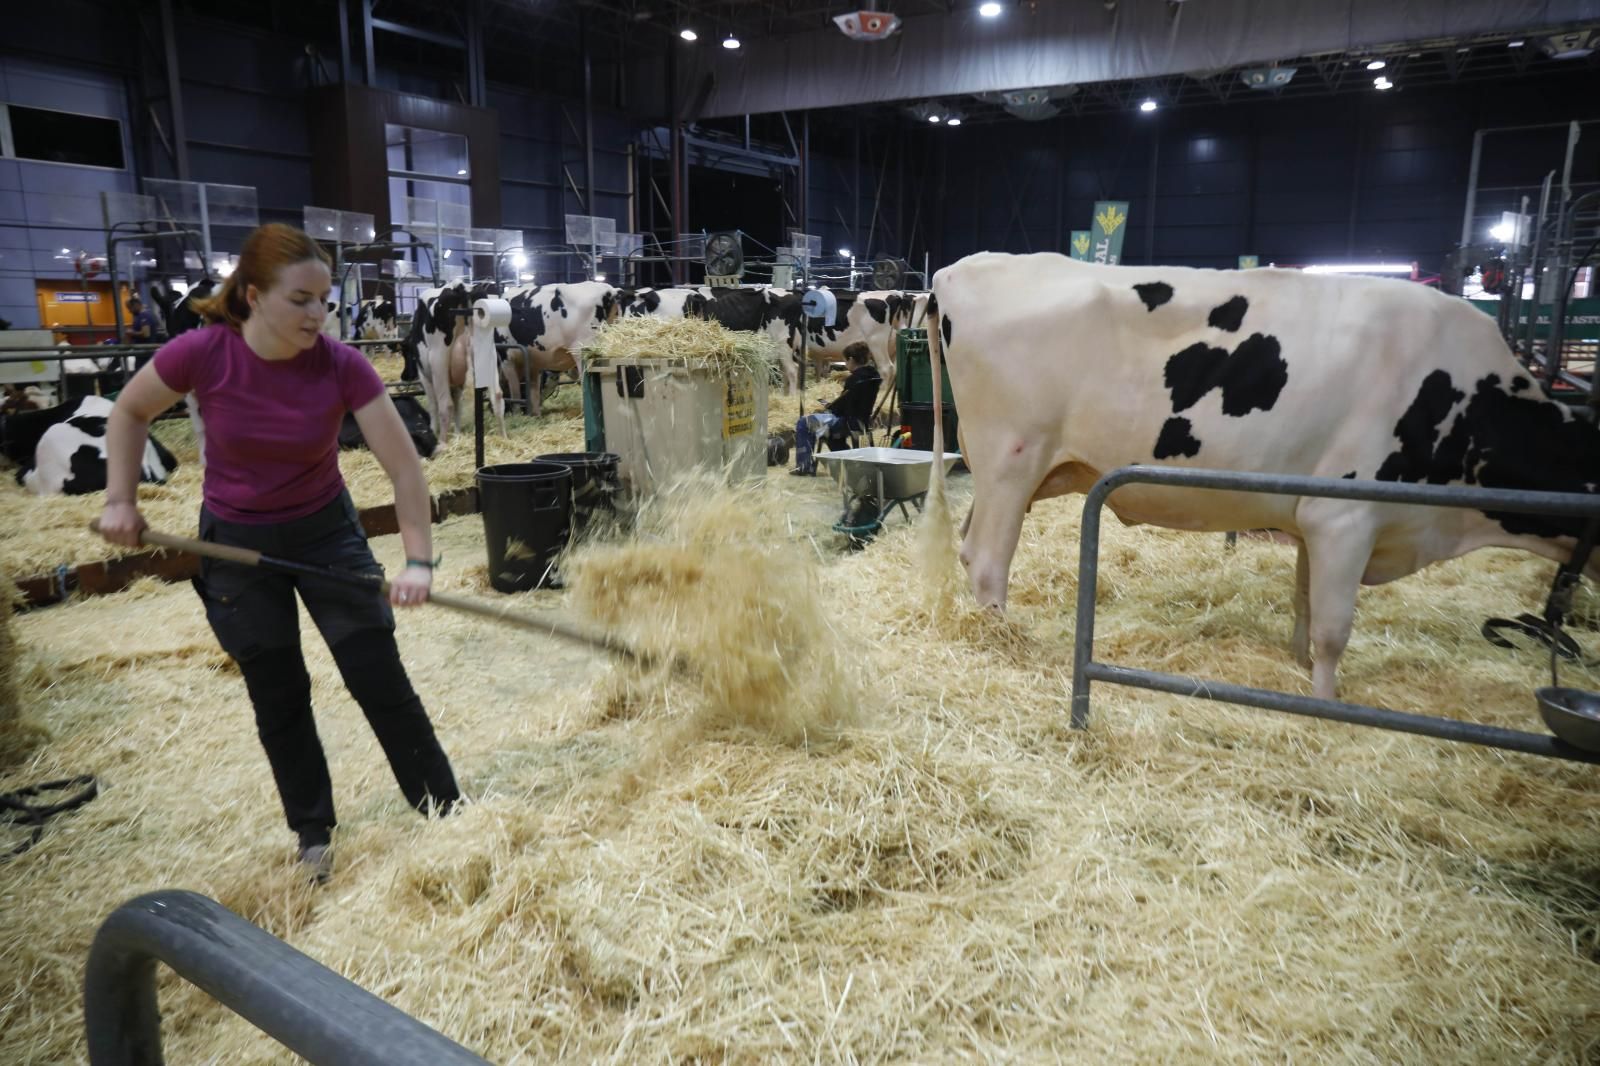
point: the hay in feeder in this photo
(691, 341)
(960, 878)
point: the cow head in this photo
(608, 309)
(696, 306)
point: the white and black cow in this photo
(437, 351)
(375, 320)
(1065, 370)
(553, 323)
(871, 318)
(68, 455)
(661, 303)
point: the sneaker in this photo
(317, 861)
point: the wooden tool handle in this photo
(225, 552)
(551, 627)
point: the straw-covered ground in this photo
(851, 827)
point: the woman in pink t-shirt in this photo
(272, 390)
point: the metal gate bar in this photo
(1086, 670)
(291, 997)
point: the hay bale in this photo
(18, 734)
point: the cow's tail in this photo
(937, 542)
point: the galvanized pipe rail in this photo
(1086, 670)
(291, 997)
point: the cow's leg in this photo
(441, 393)
(996, 521)
(1300, 643)
(1337, 555)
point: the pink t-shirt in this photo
(272, 428)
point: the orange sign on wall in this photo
(73, 304)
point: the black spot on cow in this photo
(1418, 430)
(1229, 316)
(1519, 384)
(739, 309)
(1251, 377)
(88, 465)
(89, 425)
(945, 330)
(1499, 440)
(20, 433)
(527, 319)
(1351, 476)
(1154, 294)
(1194, 372)
(648, 303)
(1176, 440)
(557, 304)
(878, 309)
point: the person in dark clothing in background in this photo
(848, 414)
(143, 326)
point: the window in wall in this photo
(48, 136)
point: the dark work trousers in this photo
(253, 613)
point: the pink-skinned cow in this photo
(1064, 371)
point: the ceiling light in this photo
(447, 253)
(1376, 64)
(845, 252)
(66, 251)
(689, 35)
(952, 121)
(1381, 83)
(461, 173)
(730, 42)
(599, 277)
(989, 10)
(1515, 44)
(935, 119)
(1502, 232)
(1148, 106)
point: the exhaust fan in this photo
(1031, 105)
(1574, 45)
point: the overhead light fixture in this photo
(1148, 106)
(524, 277)
(447, 253)
(730, 42)
(1360, 268)
(599, 277)
(519, 260)
(935, 119)
(953, 120)
(845, 252)
(1381, 83)
(1268, 77)
(989, 10)
(689, 35)
(66, 251)
(1502, 232)
(1376, 64)
(1515, 44)
(461, 173)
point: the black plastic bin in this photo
(919, 416)
(595, 485)
(527, 517)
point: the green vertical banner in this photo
(1110, 227)
(1080, 245)
(1249, 262)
